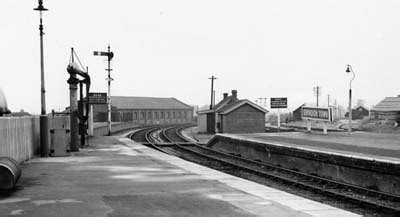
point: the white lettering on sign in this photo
(317, 113)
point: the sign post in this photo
(278, 103)
(279, 121)
(95, 98)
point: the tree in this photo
(360, 102)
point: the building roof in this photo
(134, 102)
(224, 102)
(232, 106)
(219, 106)
(362, 107)
(388, 104)
(230, 103)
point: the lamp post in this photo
(348, 70)
(44, 143)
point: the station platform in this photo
(118, 177)
(371, 146)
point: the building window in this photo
(162, 114)
(135, 115)
(149, 115)
(167, 114)
(143, 115)
(173, 114)
(184, 114)
(156, 115)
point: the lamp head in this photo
(348, 69)
(40, 7)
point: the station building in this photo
(358, 113)
(387, 109)
(144, 110)
(232, 115)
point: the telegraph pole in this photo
(263, 101)
(44, 134)
(212, 90)
(329, 100)
(317, 93)
(109, 55)
(214, 98)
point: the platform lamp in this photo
(44, 143)
(350, 70)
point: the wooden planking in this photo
(19, 137)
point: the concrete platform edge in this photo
(292, 201)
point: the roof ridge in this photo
(135, 102)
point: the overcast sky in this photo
(169, 48)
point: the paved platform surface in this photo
(363, 144)
(117, 177)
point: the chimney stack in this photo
(234, 94)
(225, 95)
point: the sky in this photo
(170, 48)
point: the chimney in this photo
(225, 95)
(234, 94)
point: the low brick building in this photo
(144, 110)
(387, 109)
(232, 115)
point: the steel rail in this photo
(318, 185)
(307, 181)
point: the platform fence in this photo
(19, 137)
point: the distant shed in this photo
(358, 113)
(387, 109)
(232, 115)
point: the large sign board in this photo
(317, 113)
(97, 98)
(279, 102)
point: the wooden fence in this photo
(19, 137)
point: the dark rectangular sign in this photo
(317, 113)
(97, 98)
(100, 53)
(279, 102)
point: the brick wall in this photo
(245, 119)
(147, 116)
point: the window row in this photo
(156, 115)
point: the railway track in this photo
(354, 198)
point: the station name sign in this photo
(97, 98)
(279, 102)
(317, 113)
